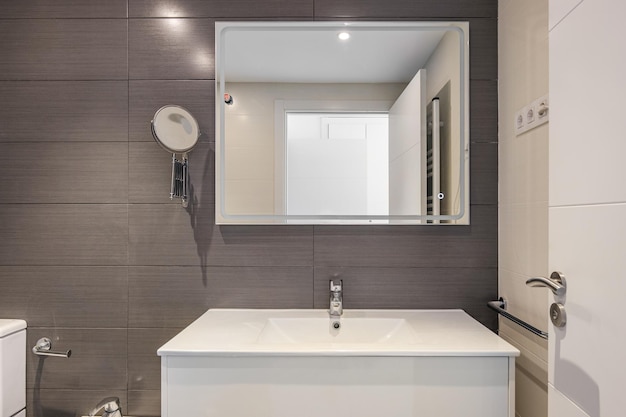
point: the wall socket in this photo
(532, 115)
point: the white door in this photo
(587, 206)
(407, 146)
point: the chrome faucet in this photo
(111, 407)
(336, 299)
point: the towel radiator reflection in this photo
(433, 161)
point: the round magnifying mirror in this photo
(175, 129)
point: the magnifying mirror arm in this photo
(180, 179)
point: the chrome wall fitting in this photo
(558, 315)
(44, 346)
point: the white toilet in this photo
(12, 368)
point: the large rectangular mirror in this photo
(342, 123)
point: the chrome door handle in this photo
(556, 283)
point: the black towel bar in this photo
(500, 307)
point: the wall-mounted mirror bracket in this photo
(177, 131)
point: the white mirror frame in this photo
(221, 217)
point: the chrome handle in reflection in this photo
(43, 346)
(556, 283)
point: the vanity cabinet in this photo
(337, 386)
(451, 368)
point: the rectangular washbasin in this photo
(227, 332)
(351, 331)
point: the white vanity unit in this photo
(285, 363)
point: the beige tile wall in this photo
(523, 193)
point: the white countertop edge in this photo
(342, 353)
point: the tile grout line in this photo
(128, 197)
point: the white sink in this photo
(282, 363)
(351, 331)
(226, 332)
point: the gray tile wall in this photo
(94, 254)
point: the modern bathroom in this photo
(129, 277)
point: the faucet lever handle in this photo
(336, 285)
(110, 405)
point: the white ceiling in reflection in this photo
(303, 55)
